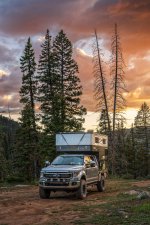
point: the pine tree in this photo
(142, 125)
(28, 137)
(48, 88)
(3, 160)
(131, 154)
(103, 123)
(120, 149)
(70, 90)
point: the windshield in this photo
(68, 160)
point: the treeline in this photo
(129, 150)
(132, 146)
(50, 96)
(8, 129)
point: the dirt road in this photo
(21, 205)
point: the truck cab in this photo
(72, 171)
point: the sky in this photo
(20, 19)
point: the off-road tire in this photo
(101, 185)
(82, 191)
(44, 193)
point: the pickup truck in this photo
(71, 173)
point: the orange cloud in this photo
(19, 19)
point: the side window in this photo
(104, 141)
(96, 140)
(87, 159)
(91, 158)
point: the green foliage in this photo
(48, 86)
(70, 90)
(3, 160)
(47, 148)
(142, 136)
(7, 138)
(59, 91)
(28, 67)
(26, 149)
(25, 153)
(120, 148)
(121, 208)
(103, 123)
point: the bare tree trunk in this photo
(102, 82)
(118, 86)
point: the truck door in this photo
(91, 172)
(94, 170)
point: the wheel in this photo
(101, 185)
(44, 193)
(82, 191)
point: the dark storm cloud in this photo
(21, 18)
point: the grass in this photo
(119, 209)
(117, 213)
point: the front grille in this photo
(57, 175)
(56, 184)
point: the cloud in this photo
(20, 19)
(7, 55)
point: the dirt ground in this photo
(21, 205)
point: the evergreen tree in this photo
(48, 88)
(131, 154)
(3, 160)
(8, 129)
(103, 124)
(142, 135)
(48, 98)
(120, 149)
(26, 147)
(28, 138)
(71, 112)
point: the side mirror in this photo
(92, 163)
(47, 163)
(88, 165)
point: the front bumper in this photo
(70, 185)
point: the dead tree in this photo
(100, 81)
(117, 86)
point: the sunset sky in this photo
(20, 19)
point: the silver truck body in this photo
(78, 164)
(67, 177)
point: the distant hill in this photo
(7, 124)
(8, 130)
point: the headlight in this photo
(76, 173)
(41, 174)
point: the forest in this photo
(51, 102)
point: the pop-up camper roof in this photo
(80, 141)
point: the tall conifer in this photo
(28, 144)
(70, 89)
(48, 87)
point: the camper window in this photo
(104, 141)
(96, 140)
